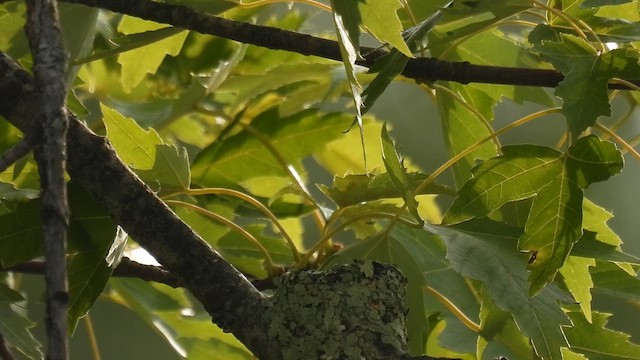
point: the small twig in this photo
(16, 152)
(5, 354)
(127, 268)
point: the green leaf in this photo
(555, 219)
(592, 160)
(398, 174)
(132, 42)
(470, 17)
(161, 166)
(347, 20)
(610, 279)
(21, 235)
(135, 147)
(14, 326)
(428, 252)
(589, 247)
(486, 252)
(247, 257)
(136, 64)
(354, 189)
(170, 172)
(587, 73)
(517, 174)
(342, 155)
(463, 128)
(598, 3)
(594, 218)
(553, 226)
(91, 235)
(499, 334)
(576, 276)
(392, 64)
(242, 156)
(381, 19)
(597, 342)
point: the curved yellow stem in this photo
(254, 202)
(475, 111)
(259, 3)
(233, 226)
(619, 140)
(454, 309)
(475, 146)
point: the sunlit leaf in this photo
(243, 156)
(597, 3)
(380, 18)
(594, 218)
(354, 189)
(162, 166)
(576, 276)
(136, 64)
(347, 21)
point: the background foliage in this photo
(249, 147)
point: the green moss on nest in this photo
(355, 311)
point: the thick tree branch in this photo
(234, 304)
(421, 69)
(50, 65)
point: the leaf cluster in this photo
(238, 140)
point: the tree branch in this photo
(50, 65)
(16, 152)
(421, 69)
(127, 269)
(233, 303)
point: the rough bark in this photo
(50, 65)
(233, 303)
(420, 69)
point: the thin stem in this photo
(259, 3)
(459, 314)
(16, 152)
(265, 210)
(456, 43)
(624, 82)
(618, 139)
(332, 232)
(318, 216)
(563, 16)
(475, 111)
(475, 146)
(93, 340)
(233, 226)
